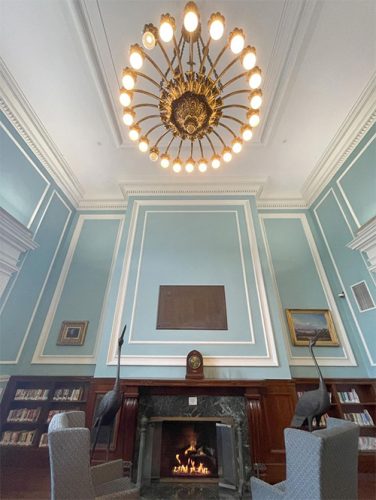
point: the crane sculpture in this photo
(312, 404)
(109, 404)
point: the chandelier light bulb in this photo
(154, 154)
(149, 37)
(134, 133)
(227, 155)
(255, 99)
(237, 40)
(176, 166)
(216, 161)
(143, 144)
(128, 79)
(166, 28)
(216, 25)
(190, 165)
(246, 133)
(136, 56)
(125, 98)
(249, 58)
(202, 165)
(253, 118)
(191, 17)
(165, 160)
(254, 78)
(237, 145)
(128, 116)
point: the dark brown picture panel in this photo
(192, 307)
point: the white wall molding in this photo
(365, 241)
(281, 203)
(39, 357)
(348, 358)
(102, 205)
(15, 239)
(356, 124)
(24, 119)
(330, 191)
(270, 359)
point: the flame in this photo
(190, 467)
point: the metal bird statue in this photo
(109, 404)
(312, 404)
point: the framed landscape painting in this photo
(304, 324)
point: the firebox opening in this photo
(189, 450)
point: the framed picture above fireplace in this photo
(192, 307)
(305, 324)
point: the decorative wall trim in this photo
(39, 357)
(54, 193)
(48, 184)
(344, 173)
(24, 119)
(218, 361)
(348, 359)
(15, 239)
(356, 124)
(281, 203)
(331, 191)
(102, 205)
(270, 359)
(365, 241)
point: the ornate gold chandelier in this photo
(194, 104)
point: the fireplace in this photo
(188, 449)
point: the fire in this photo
(188, 465)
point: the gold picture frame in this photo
(305, 324)
(72, 333)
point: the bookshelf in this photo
(29, 403)
(353, 400)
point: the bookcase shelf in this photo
(33, 397)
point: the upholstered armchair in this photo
(72, 478)
(322, 465)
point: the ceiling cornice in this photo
(280, 203)
(356, 124)
(19, 112)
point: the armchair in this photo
(322, 465)
(72, 478)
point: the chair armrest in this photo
(108, 471)
(265, 491)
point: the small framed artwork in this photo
(72, 333)
(304, 324)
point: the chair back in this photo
(69, 447)
(323, 464)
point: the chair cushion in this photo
(118, 488)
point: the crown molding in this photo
(356, 124)
(102, 205)
(19, 112)
(281, 203)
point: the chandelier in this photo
(193, 100)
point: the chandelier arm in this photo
(233, 118)
(140, 91)
(153, 128)
(177, 52)
(216, 61)
(167, 59)
(234, 79)
(191, 149)
(227, 128)
(226, 69)
(235, 92)
(138, 73)
(205, 53)
(241, 106)
(169, 144)
(211, 144)
(180, 145)
(156, 67)
(191, 52)
(147, 118)
(220, 138)
(160, 138)
(145, 105)
(201, 149)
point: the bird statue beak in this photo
(121, 338)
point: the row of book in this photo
(17, 438)
(51, 413)
(68, 394)
(349, 396)
(361, 418)
(32, 394)
(24, 415)
(43, 442)
(367, 443)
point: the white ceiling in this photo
(317, 58)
